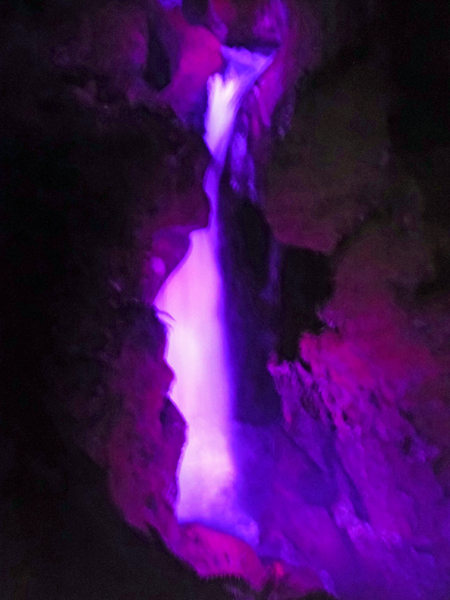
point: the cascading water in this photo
(193, 298)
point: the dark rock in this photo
(86, 181)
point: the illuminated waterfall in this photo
(193, 297)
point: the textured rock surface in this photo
(367, 404)
(101, 186)
(213, 553)
(88, 182)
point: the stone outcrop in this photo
(366, 401)
(98, 199)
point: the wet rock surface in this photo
(92, 442)
(369, 387)
(347, 481)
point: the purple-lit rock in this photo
(367, 405)
(193, 298)
(101, 188)
(214, 553)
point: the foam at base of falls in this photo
(197, 350)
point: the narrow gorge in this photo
(225, 305)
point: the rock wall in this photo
(98, 198)
(101, 184)
(366, 401)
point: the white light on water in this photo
(193, 297)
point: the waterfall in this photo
(192, 296)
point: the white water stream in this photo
(192, 296)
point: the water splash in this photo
(193, 297)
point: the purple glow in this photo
(193, 297)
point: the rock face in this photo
(101, 186)
(98, 199)
(366, 402)
(347, 479)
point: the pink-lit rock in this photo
(381, 387)
(135, 179)
(294, 39)
(214, 553)
(286, 582)
(359, 485)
